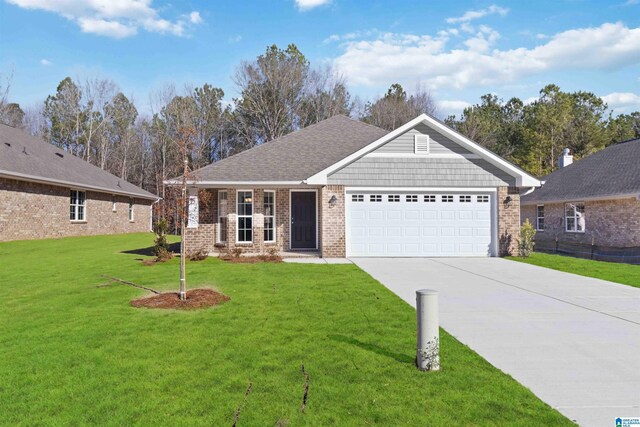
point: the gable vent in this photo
(421, 144)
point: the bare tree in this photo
(395, 108)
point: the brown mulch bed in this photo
(196, 298)
(252, 259)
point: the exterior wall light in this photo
(333, 201)
(507, 201)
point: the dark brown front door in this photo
(303, 220)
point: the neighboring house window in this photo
(574, 217)
(269, 216)
(244, 221)
(222, 216)
(113, 203)
(77, 206)
(540, 218)
(131, 210)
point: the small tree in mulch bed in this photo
(195, 298)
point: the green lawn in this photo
(621, 273)
(75, 354)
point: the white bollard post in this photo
(428, 353)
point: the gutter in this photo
(61, 183)
(583, 199)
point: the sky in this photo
(457, 50)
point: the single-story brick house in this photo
(47, 192)
(594, 201)
(343, 188)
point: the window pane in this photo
(223, 229)
(80, 213)
(72, 213)
(81, 197)
(571, 224)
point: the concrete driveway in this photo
(574, 341)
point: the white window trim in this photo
(421, 145)
(218, 237)
(238, 216)
(538, 217)
(113, 203)
(273, 215)
(131, 207)
(566, 229)
(84, 219)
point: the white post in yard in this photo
(428, 352)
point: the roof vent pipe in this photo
(565, 159)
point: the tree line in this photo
(280, 92)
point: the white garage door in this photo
(418, 224)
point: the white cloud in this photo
(45, 62)
(114, 18)
(622, 102)
(471, 15)
(235, 39)
(408, 58)
(631, 2)
(448, 107)
(310, 4)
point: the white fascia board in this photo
(74, 185)
(522, 178)
(583, 199)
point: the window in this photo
(245, 217)
(375, 198)
(357, 198)
(113, 203)
(130, 210)
(574, 218)
(465, 199)
(429, 198)
(222, 216)
(421, 144)
(411, 198)
(269, 216)
(393, 198)
(540, 218)
(483, 199)
(447, 199)
(77, 206)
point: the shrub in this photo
(161, 246)
(236, 252)
(525, 239)
(198, 255)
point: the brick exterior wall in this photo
(38, 211)
(508, 220)
(614, 223)
(332, 222)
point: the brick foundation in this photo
(38, 211)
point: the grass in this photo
(72, 353)
(620, 273)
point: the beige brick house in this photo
(46, 192)
(594, 201)
(343, 188)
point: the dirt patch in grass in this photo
(196, 298)
(252, 259)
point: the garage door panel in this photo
(387, 224)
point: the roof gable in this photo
(523, 179)
(613, 171)
(25, 157)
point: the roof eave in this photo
(603, 197)
(43, 180)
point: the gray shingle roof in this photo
(296, 156)
(23, 156)
(609, 172)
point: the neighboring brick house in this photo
(594, 201)
(47, 192)
(343, 188)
